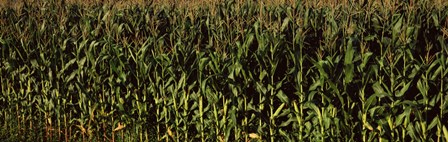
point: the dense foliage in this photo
(233, 72)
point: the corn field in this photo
(229, 71)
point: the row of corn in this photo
(238, 71)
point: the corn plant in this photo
(224, 71)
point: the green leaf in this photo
(365, 59)
(349, 73)
(235, 91)
(120, 104)
(181, 82)
(349, 52)
(316, 109)
(262, 75)
(68, 64)
(382, 139)
(320, 66)
(433, 123)
(284, 24)
(122, 77)
(2, 41)
(237, 67)
(81, 62)
(72, 75)
(436, 73)
(282, 96)
(261, 88)
(284, 134)
(279, 109)
(377, 88)
(371, 101)
(202, 62)
(445, 133)
(407, 113)
(34, 63)
(435, 18)
(204, 84)
(370, 37)
(348, 62)
(398, 25)
(231, 76)
(410, 31)
(411, 131)
(315, 85)
(403, 90)
(296, 108)
(250, 39)
(421, 87)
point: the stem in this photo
(18, 120)
(271, 108)
(113, 133)
(157, 117)
(202, 119)
(442, 102)
(245, 120)
(224, 117)
(302, 97)
(322, 112)
(165, 109)
(426, 106)
(186, 114)
(215, 111)
(176, 115)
